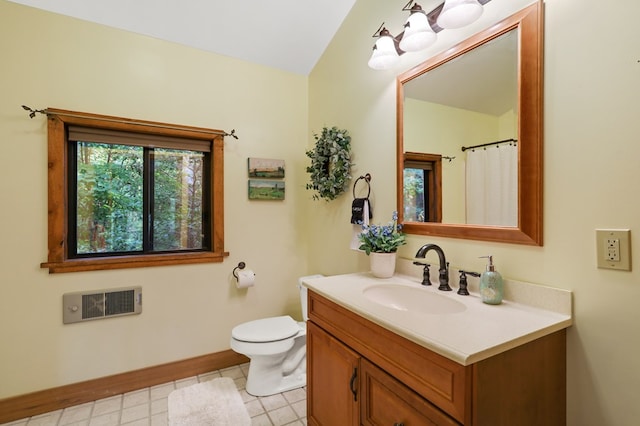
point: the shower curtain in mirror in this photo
(492, 185)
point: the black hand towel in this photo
(357, 210)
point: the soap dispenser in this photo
(491, 285)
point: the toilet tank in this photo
(303, 294)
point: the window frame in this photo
(58, 163)
(432, 184)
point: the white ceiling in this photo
(285, 34)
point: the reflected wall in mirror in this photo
(478, 106)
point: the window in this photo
(422, 187)
(129, 193)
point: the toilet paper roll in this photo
(246, 278)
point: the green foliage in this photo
(110, 196)
(178, 198)
(413, 188)
(330, 163)
(382, 238)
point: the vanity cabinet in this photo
(359, 373)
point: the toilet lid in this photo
(266, 329)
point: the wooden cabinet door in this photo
(332, 380)
(386, 402)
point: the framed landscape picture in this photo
(262, 189)
(266, 168)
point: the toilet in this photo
(277, 350)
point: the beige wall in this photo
(591, 172)
(52, 61)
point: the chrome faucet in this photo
(444, 265)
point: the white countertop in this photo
(477, 333)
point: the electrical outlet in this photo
(614, 249)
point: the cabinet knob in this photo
(398, 424)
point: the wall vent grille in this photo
(84, 306)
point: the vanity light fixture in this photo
(386, 52)
(421, 28)
(459, 13)
(418, 34)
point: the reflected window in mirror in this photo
(422, 187)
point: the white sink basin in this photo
(412, 299)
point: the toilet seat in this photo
(266, 330)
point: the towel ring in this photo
(367, 179)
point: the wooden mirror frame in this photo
(529, 22)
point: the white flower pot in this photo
(383, 265)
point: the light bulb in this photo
(458, 13)
(384, 54)
(418, 34)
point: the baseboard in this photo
(32, 404)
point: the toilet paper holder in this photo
(241, 265)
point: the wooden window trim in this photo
(434, 183)
(58, 261)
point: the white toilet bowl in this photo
(277, 354)
(277, 349)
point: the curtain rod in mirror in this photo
(464, 148)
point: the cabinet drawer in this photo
(443, 382)
(385, 401)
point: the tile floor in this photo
(148, 407)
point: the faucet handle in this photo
(462, 290)
(426, 276)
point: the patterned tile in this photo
(283, 415)
(79, 414)
(149, 406)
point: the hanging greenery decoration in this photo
(330, 163)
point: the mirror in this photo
(450, 104)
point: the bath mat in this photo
(213, 403)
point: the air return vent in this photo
(92, 305)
